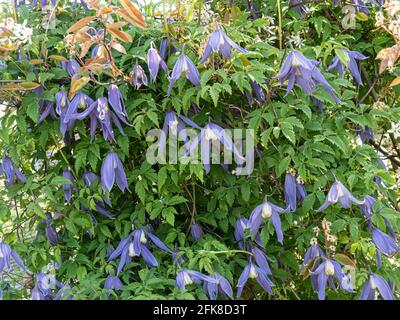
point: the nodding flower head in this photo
(298, 69)
(196, 231)
(313, 252)
(71, 66)
(350, 62)
(266, 210)
(11, 172)
(187, 277)
(112, 283)
(384, 242)
(154, 62)
(6, 253)
(222, 286)
(252, 271)
(299, 7)
(139, 77)
(186, 67)
(339, 193)
(112, 170)
(135, 245)
(375, 283)
(325, 273)
(219, 41)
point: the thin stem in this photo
(65, 158)
(278, 2)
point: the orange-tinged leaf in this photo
(81, 23)
(118, 47)
(117, 25)
(11, 87)
(121, 35)
(57, 58)
(124, 14)
(132, 10)
(77, 84)
(105, 10)
(395, 82)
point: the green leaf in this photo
(59, 180)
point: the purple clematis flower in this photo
(139, 77)
(299, 7)
(112, 170)
(186, 67)
(50, 231)
(112, 283)
(385, 243)
(68, 187)
(44, 286)
(135, 245)
(46, 108)
(221, 286)
(71, 66)
(376, 282)
(212, 134)
(367, 206)
(312, 253)
(173, 124)
(339, 192)
(365, 134)
(298, 69)
(351, 64)
(11, 172)
(325, 273)
(252, 271)
(266, 210)
(242, 224)
(186, 277)
(196, 231)
(258, 91)
(293, 190)
(6, 253)
(155, 61)
(64, 107)
(100, 114)
(219, 41)
(166, 49)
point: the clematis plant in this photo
(11, 172)
(155, 61)
(138, 77)
(339, 193)
(6, 253)
(298, 69)
(112, 170)
(348, 59)
(112, 283)
(186, 277)
(325, 273)
(220, 42)
(270, 211)
(222, 286)
(376, 283)
(385, 243)
(184, 66)
(135, 245)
